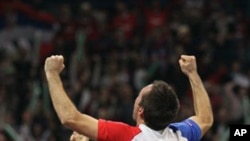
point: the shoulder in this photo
(112, 130)
(188, 129)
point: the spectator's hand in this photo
(77, 137)
(188, 64)
(54, 64)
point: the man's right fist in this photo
(188, 64)
(54, 64)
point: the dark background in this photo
(114, 48)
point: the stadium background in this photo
(112, 49)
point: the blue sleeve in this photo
(189, 129)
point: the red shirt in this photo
(126, 23)
(155, 19)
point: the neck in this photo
(139, 121)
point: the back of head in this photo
(160, 105)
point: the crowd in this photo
(112, 49)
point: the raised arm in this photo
(202, 107)
(68, 114)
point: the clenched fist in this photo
(54, 64)
(188, 64)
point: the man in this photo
(154, 109)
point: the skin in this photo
(138, 110)
(77, 137)
(86, 125)
(202, 106)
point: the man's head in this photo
(156, 105)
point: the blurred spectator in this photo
(124, 20)
(4, 137)
(156, 17)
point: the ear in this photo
(141, 112)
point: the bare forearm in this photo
(203, 111)
(202, 104)
(64, 108)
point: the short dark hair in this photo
(160, 105)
